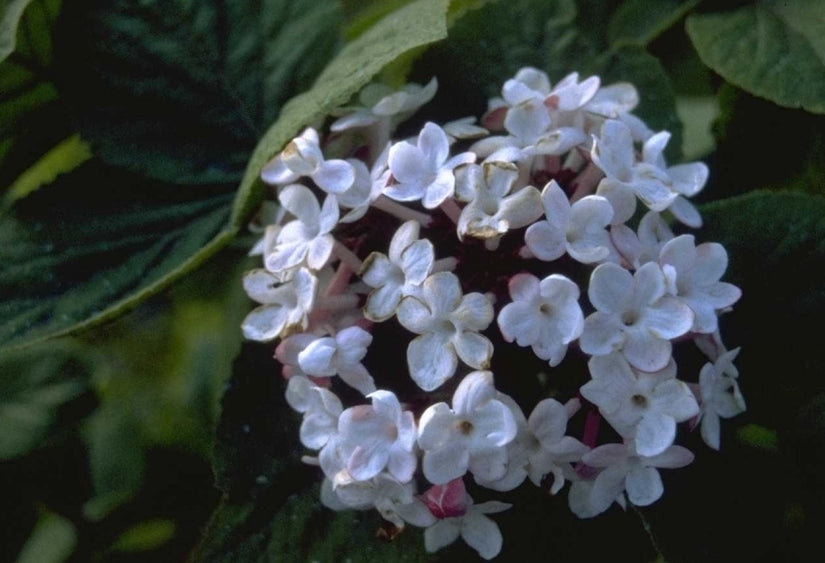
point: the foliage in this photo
(131, 140)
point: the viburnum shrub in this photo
(480, 305)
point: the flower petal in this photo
(431, 361)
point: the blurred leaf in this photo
(640, 21)
(53, 540)
(10, 13)
(775, 50)
(76, 255)
(169, 397)
(180, 91)
(34, 383)
(145, 536)
(758, 436)
(32, 118)
(697, 114)
(418, 23)
(66, 156)
(116, 459)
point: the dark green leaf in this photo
(420, 23)
(775, 50)
(180, 91)
(768, 502)
(640, 21)
(34, 384)
(761, 145)
(488, 45)
(94, 244)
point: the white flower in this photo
(549, 450)
(424, 171)
(448, 324)
(320, 407)
(638, 249)
(517, 464)
(720, 396)
(624, 471)
(569, 94)
(306, 239)
(578, 229)
(471, 435)
(694, 276)
(365, 188)
(466, 520)
(380, 103)
(633, 315)
(493, 210)
(285, 305)
(649, 179)
(640, 405)
(614, 101)
(395, 501)
(341, 356)
(371, 439)
(464, 128)
(402, 273)
(543, 314)
(303, 157)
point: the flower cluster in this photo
(466, 245)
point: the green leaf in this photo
(775, 50)
(94, 244)
(53, 540)
(479, 55)
(762, 145)
(420, 23)
(66, 156)
(32, 118)
(180, 91)
(34, 384)
(10, 13)
(640, 21)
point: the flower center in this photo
(465, 427)
(630, 318)
(639, 401)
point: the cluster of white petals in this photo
(494, 251)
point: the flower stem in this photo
(402, 212)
